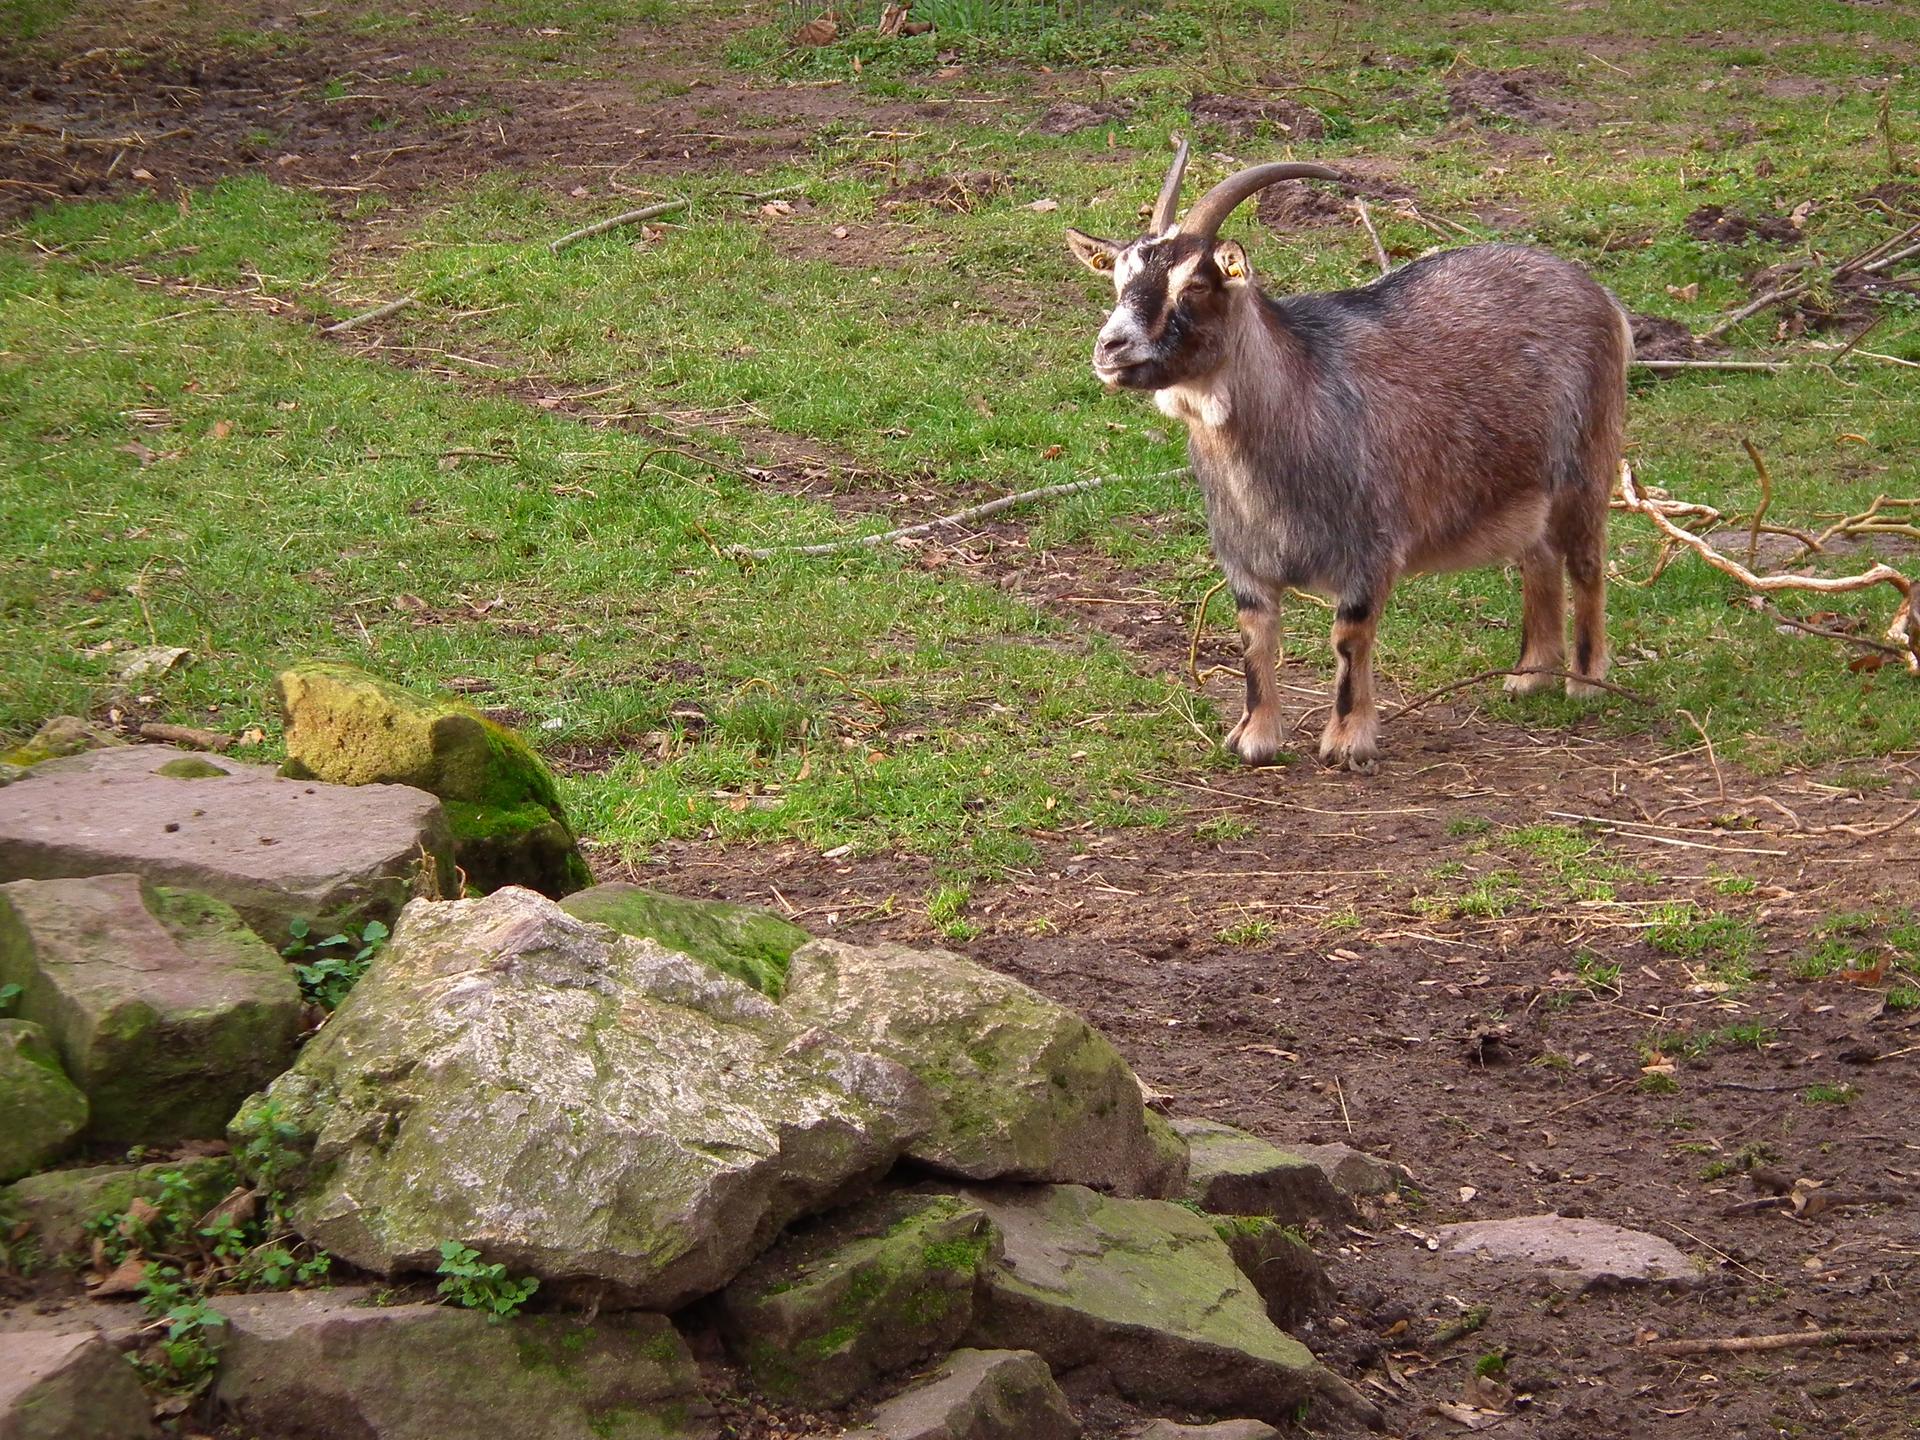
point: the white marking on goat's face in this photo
(1147, 342)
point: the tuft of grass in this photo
(1248, 932)
(946, 907)
(1830, 1094)
(1222, 828)
(1724, 943)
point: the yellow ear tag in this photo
(1235, 270)
(1101, 261)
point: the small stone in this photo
(1353, 1171)
(1234, 1173)
(864, 1292)
(1222, 1430)
(64, 735)
(1022, 1088)
(615, 1119)
(1282, 1266)
(71, 1386)
(1576, 1253)
(350, 728)
(165, 1009)
(754, 946)
(57, 1204)
(978, 1395)
(329, 1363)
(40, 1109)
(276, 850)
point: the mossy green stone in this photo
(870, 1291)
(752, 945)
(41, 1110)
(191, 767)
(61, 736)
(59, 1203)
(347, 727)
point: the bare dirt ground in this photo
(1304, 973)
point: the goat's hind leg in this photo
(1543, 622)
(1256, 739)
(1580, 528)
(1351, 740)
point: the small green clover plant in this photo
(327, 969)
(481, 1287)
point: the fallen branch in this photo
(1768, 366)
(1448, 689)
(1766, 501)
(958, 517)
(599, 227)
(1797, 1340)
(1903, 629)
(1373, 235)
(614, 222)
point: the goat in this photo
(1462, 410)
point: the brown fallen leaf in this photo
(139, 452)
(777, 208)
(125, 1279)
(822, 31)
(221, 429)
(240, 1205)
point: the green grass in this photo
(178, 472)
(1830, 1094)
(1248, 932)
(1725, 944)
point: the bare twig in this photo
(1199, 628)
(958, 517)
(614, 222)
(1754, 307)
(1903, 630)
(1766, 501)
(1373, 235)
(378, 312)
(1768, 366)
(1797, 1340)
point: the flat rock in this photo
(327, 1364)
(1144, 1295)
(166, 1010)
(41, 1110)
(1233, 1173)
(607, 1115)
(276, 850)
(57, 1204)
(865, 1292)
(1221, 1430)
(1022, 1088)
(752, 945)
(1575, 1252)
(351, 728)
(68, 1386)
(978, 1395)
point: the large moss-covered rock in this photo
(41, 1110)
(166, 1010)
(349, 728)
(865, 1292)
(1231, 1172)
(595, 1110)
(1023, 1088)
(69, 1385)
(752, 945)
(57, 1204)
(326, 1364)
(1289, 1275)
(1145, 1296)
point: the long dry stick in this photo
(1373, 235)
(1903, 629)
(1768, 366)
(958, 517)
(614, 222)
(1766, 501)
(1796, 1340)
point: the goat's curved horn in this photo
(1211, 209)
(1168, 204)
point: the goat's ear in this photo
(1092, 252)
(1231, 260)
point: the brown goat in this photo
(1463, 410)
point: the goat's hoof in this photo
(1531, 684)
(1255, 753)
(1583, 690)
(1358, 753)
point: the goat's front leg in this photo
(1351, 740)
(1256, 739)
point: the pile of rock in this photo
(843, 1166)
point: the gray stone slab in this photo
(68, 1385)
(272, 848)
(1223, 1430)
(1574, 1252)
(978, 1395)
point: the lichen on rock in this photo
(595, 1110)
(862, 1293)
(347, 727)
(752, 945)
(41, 1110)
